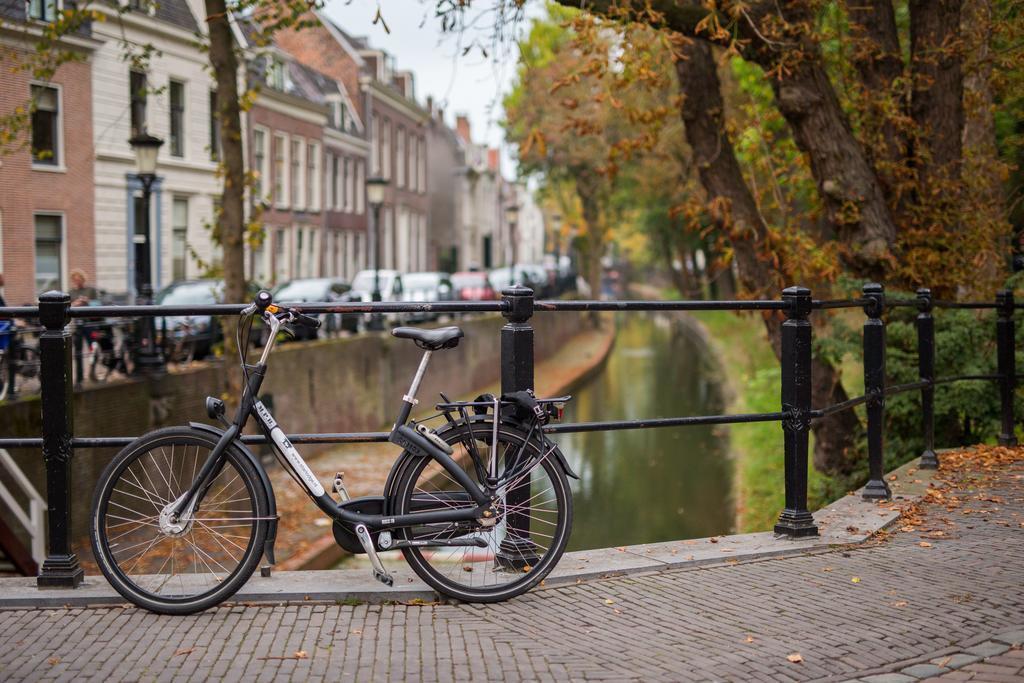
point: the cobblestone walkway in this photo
(949, 579)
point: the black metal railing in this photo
(517, 305)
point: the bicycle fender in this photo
(268, 545)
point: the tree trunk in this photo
(937, 100)
(230, 227)
(879, 62)
(720, 174)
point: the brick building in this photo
(396, 126)
(46, 178)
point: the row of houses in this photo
(331, 111)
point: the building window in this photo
(280, 257)
(46, 126)
(423, 165)
(346, 191)
(276, 77)
(176, 92)
(400, 157)
(137, 94)
(313, 177)
(214, 127)
(49, 252)
(385, 160)
(260, 161)
(359, 191)
(281, 170)
(42, 10)
(179, 237)
(375, 134)
(334, 182)
(295, 178)
(297, 271)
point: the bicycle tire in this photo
(144, 481)
(456, 579)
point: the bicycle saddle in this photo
(441, 338)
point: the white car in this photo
(390, 284)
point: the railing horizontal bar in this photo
(901, 303)
(909, 386)
(821, 304)
(572, 427)
(324, 307)
(839, 407)
(958, 378)
(964, 304)
(660, 305)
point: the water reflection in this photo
(641, 486)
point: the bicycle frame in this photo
(401, 435)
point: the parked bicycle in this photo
(109, 351)
(480, 507)
(19, 357)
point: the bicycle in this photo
(480, 507)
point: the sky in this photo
(462, 84)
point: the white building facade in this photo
(173, 99)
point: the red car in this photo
(473, 285)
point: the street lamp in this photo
(146, 147)
(375, 195)
(511, 214)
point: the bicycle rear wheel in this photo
(192, 564)
(528, 536)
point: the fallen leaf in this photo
(301, 654)
(900, 603)
(750, 639)
(796, 658)
(184, 651)
(855, 579)
(53, 661)
(925, 544)
(609, 601)
(714, 539)
(826, 569)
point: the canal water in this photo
(649, 485)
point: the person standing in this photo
(82, 295)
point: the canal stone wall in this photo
(335, 385)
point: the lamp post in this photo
(147, 359)
(511, 215)
(375, 195)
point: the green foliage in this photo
(966, 412)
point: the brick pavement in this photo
(933, 590)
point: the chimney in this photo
(493, 160)
(462, 126)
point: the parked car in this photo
(473, 285)
(390, 283)
(427, 286)
(319, 290)
(525, 275)
(192, 336)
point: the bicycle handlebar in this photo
(264, 302)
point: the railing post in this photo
(1007, 364)
(517, 552)
(61, 568)
(874, 389)
(796, 521)
(926, 373)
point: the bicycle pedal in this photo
(379, 573)
(339, 487)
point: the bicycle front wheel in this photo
(498, 559)
(177, 566)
